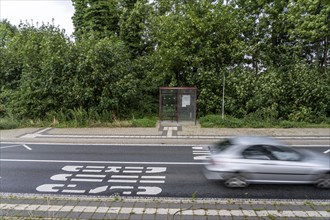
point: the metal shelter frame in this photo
(177, 103)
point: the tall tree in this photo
(134, 30)
(311, 31)
(100, 17)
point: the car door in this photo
(259, 164)
(290, 165)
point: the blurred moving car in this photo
(239, 161)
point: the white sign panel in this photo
(185, 100)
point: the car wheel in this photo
(323, 182)
(236, 181)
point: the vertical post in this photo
(177, 106)
(195, 101)
(223, 96)
(160, 106)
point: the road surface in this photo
(127, 170)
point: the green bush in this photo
(8, 123)
(78, 117)
(209, 121)
(144, 122)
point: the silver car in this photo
(239, 161)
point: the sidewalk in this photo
(161, 134)
(116, 207)
(22, 206)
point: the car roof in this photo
(254, 140)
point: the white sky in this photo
(39, 11)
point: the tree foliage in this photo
(272, 54)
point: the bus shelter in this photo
(177, 104)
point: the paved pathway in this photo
(55, 207)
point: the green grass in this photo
(78, 120)
(144, 122)
(81, 118)
(216, 121)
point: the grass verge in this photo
(216, 121)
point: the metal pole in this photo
(223, 96)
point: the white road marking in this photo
(123, 176)
(72, 168)
(98, 189)
(133, 170)
(149, 190)
(170, 131)
(119, 177)
(85, 178)
(43, 130)
(327, 151)
(201, 158)
(52, 188)
(198, 148)
(72, 190)
(27, 147)
(19, 145)
(123, 187)
(200, 153)
(152, 181)
(49, 187)
(156, 169)
(121, 181)
(100, 162)
(152, 177)
(10, 146)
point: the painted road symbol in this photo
(200, 153)
(130, 179)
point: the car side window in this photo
(284, 153)
(257, 152)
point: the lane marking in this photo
(42, 131)
(10, 146)
(18, 145)
(29, 148)
(327, 151)
(99, 162)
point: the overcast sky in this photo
(38, 11)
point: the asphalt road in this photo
(143, 170)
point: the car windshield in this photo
(222, 145)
